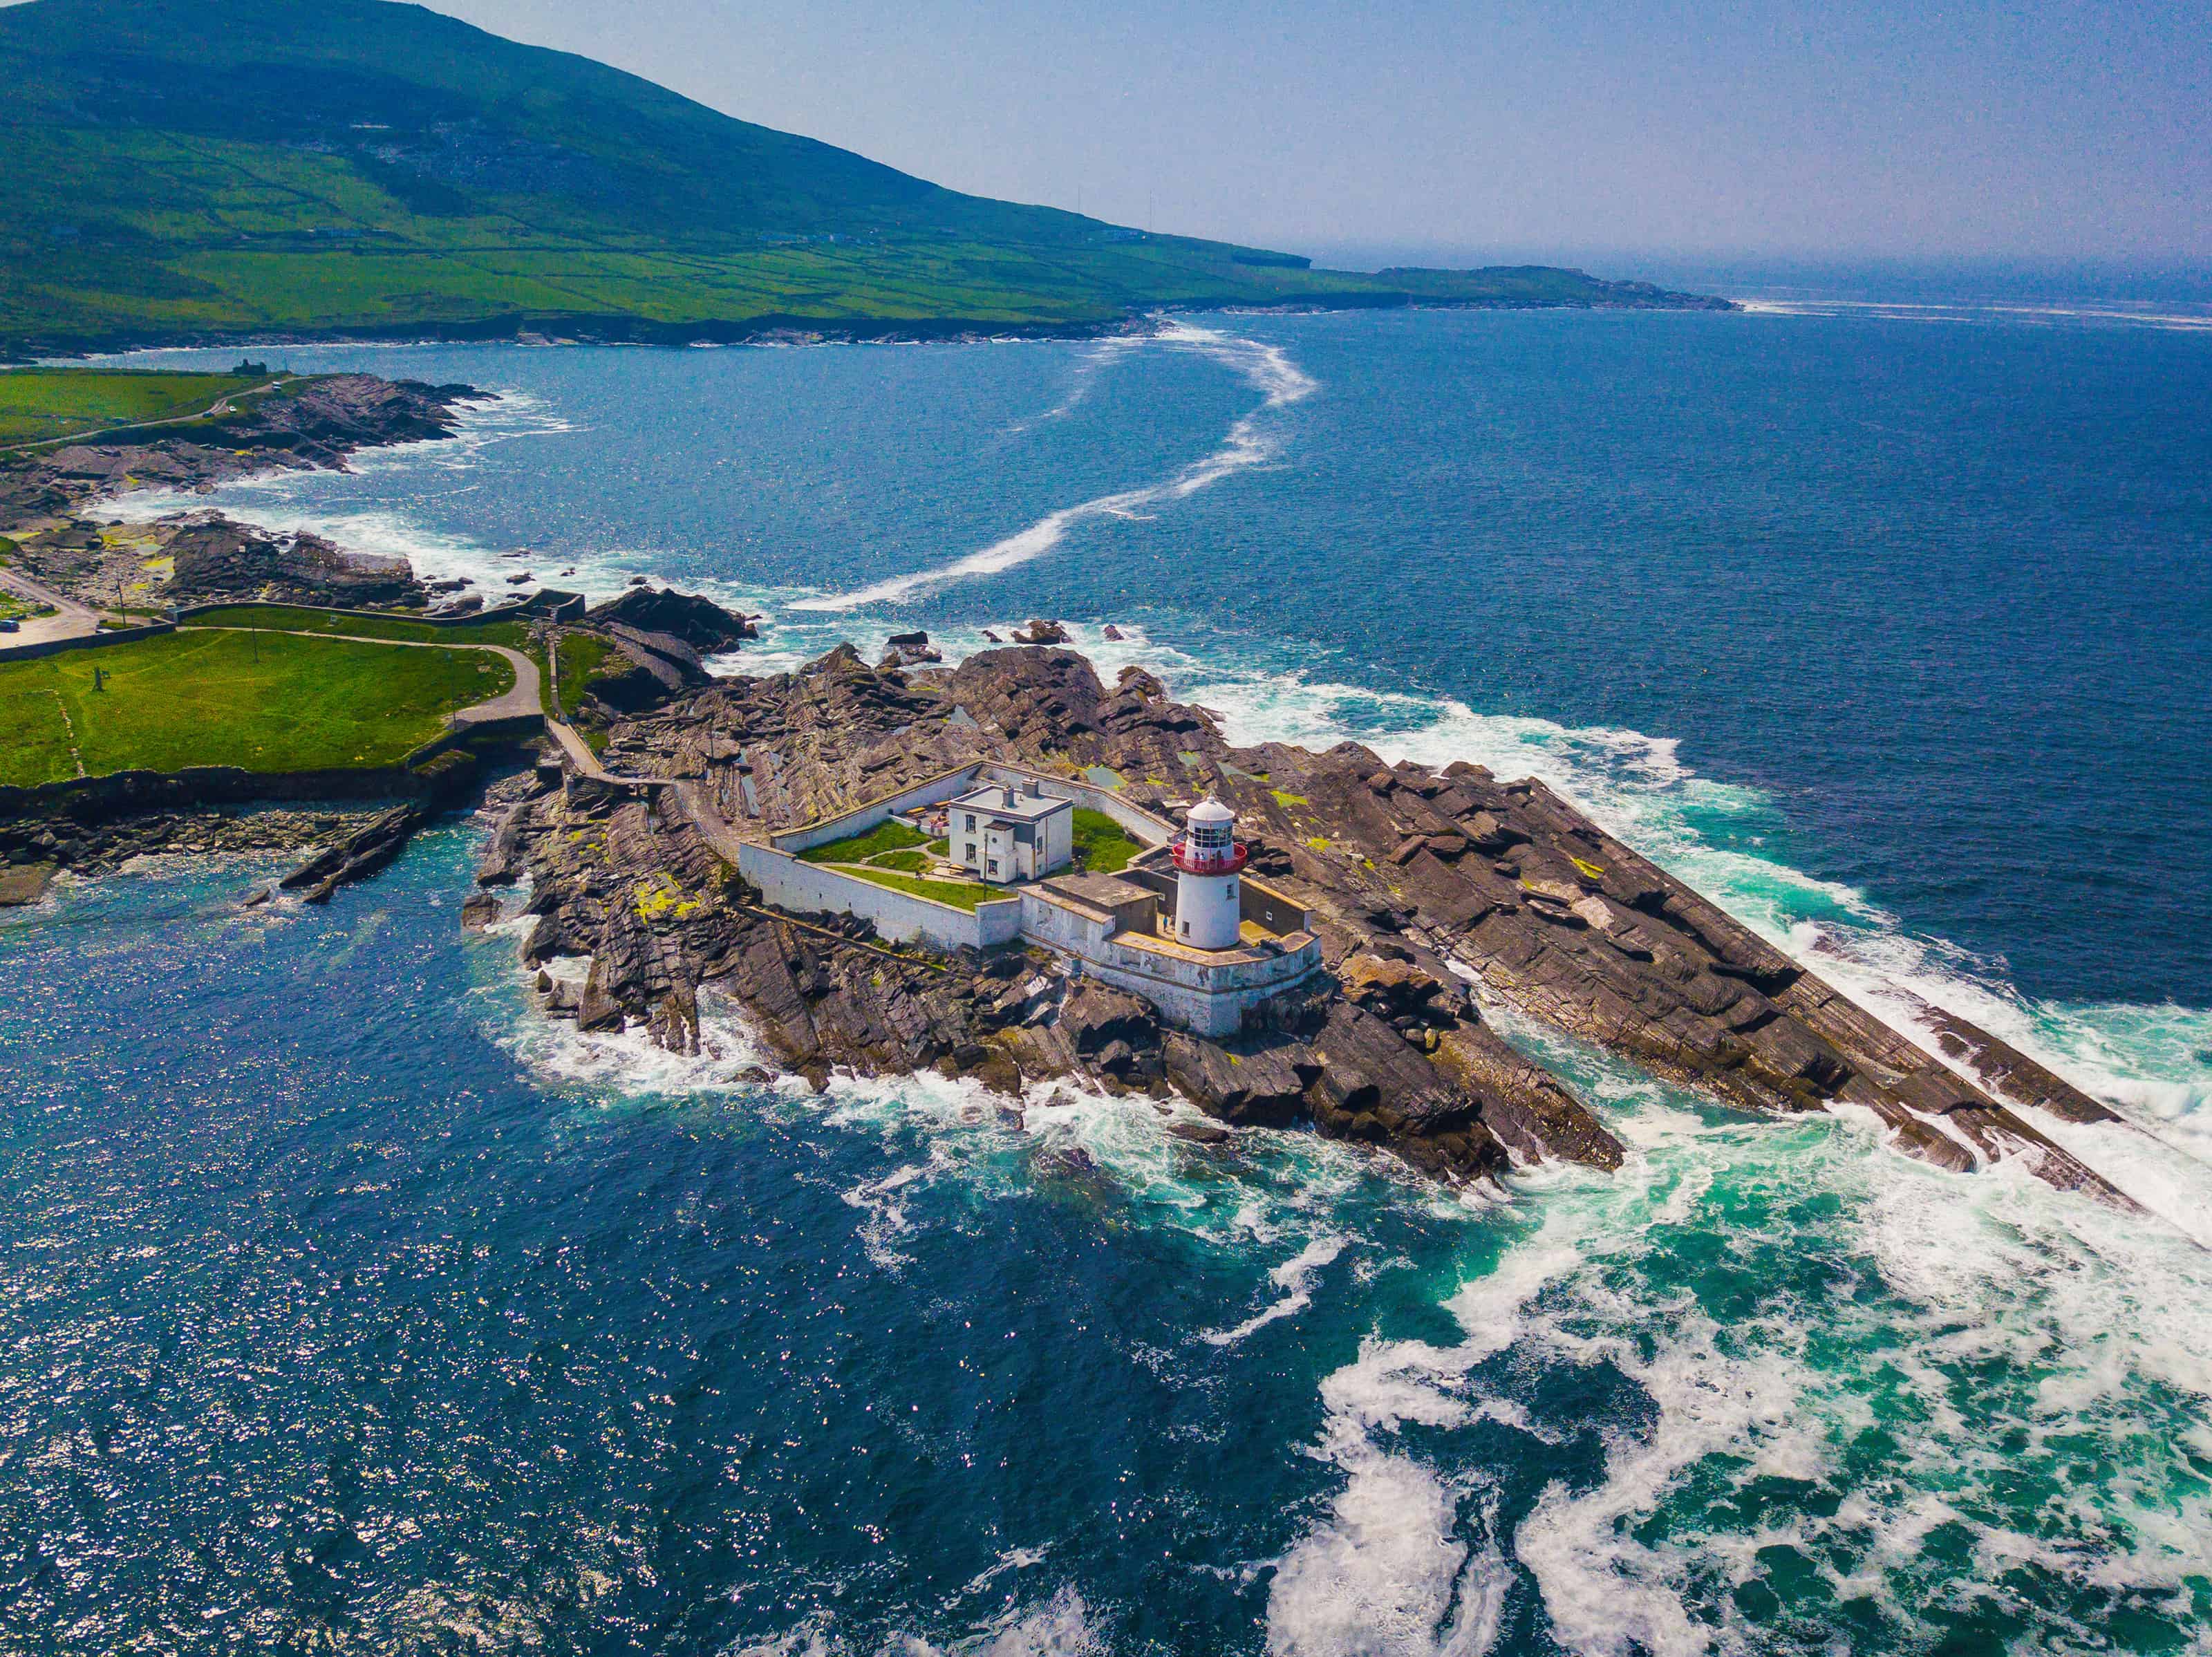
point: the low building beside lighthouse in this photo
(1183, 926)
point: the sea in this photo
(347, 1305)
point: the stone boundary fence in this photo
(809, 889)
(788, 883)
(931, 791)
(116, 635)
(547, 605)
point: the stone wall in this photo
(1147, 827)
(862, 818)
(114, 636)
(811, 889)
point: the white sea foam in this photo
(2112, 315)
(1267, 368)
(1058, 1626)
(1295, 1277)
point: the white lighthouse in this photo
(1208, 864)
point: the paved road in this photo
(70, 619)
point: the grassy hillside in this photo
(39, 404)
(222, 168)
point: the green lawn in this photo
(515, 635)
(301, 618)
(36, 745)
(267, 703)
(580, 656)
(957, 894)
(1101, 844)
(890, 836)
(36, 403)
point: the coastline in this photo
(587, 328)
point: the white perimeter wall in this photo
(810, 889)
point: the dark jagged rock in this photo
(357, 856)
(1421, 884)
(1040, 632)
(700, 623)
(215, 558)
(98, 845)
(309, 424)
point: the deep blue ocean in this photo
(346, 1306)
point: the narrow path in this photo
(714, 828)
(525, 700)
(522, 701)
(219, 406)
(69, 725)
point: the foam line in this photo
(1267, 368)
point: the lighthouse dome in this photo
(1210, 809)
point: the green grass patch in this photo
(41, 404)
(36, 746)
(581, 655)
(908, 862)
(1289, 802)
(1101, 844)
(957, 894)
(265, 702)
(16, 609)
(891, 835)
(301, 618)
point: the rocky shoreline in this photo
(1438, 895)
(49, 500)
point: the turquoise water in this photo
(348, 1307)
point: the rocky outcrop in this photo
(701, 625)
(215, 558)
(1436, 893)
(358, 855)
(100, 843)
(307, 424)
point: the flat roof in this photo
(1026, 808)
(1101, 891)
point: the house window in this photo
(992, 867)
(971, 851)
(971, 825)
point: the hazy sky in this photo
(2040, 127)
(2044, 129)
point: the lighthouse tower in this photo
(1208, 862)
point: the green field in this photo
(580, 656)
(889, 836)
(958, 894)
(37, 404)
(515, 635)
(271, 702)
(301, 618)
(229, 168)
(1101, 844)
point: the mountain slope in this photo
(217, 168)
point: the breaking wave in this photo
(1250, 442)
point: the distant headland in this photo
(203, 172)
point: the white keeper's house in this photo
(1007, 832)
